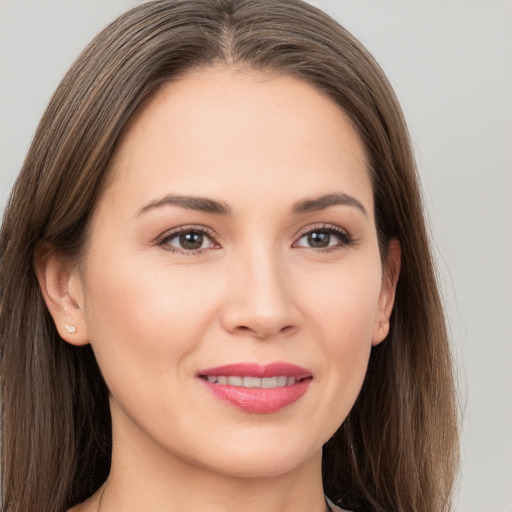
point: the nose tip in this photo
(260, 304)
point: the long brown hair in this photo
(397, 450)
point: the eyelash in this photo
(346, 240)
(344, 237)
(183, 230)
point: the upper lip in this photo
(258, 370)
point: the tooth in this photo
(269, 382)
(252, 382)
(281, 381)
(235, 381)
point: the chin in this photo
(259, 462)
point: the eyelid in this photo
(197, 228)
(344, 236)
(346, 239)
(321, 226)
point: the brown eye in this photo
(191, 241)
(328, 237)
(319, 239)
(187, 241)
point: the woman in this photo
(216, 286)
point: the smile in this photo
(255, 388)
(252, 382)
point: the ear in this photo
(387, 292)
(62, 291)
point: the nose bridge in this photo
(260, 302)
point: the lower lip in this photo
(258, 400)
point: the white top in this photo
(334, 507)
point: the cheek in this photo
(143, 319)
(344, 302)
(344, 325)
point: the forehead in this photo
(217, 127)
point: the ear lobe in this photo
(387, 292)
(62, 292)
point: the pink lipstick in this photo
(257, 388)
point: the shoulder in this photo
(333, 507)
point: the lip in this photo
(258, 400)
(258, 370)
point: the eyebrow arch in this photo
(323, 202)
(200, 204)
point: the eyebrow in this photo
(206, 205)
(200, 204)
(326, 201)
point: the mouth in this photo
(251, 382)
(257, 388)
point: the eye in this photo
(187, 240)
(324, 237)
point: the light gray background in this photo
(450, 63)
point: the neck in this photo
(145, 477)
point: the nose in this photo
(260, 303)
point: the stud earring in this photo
(71, 329)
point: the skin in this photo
(155, 312)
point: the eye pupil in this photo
(191, 240)
(319, 239)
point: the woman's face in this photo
(233, 246)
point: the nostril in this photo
(252, 332)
